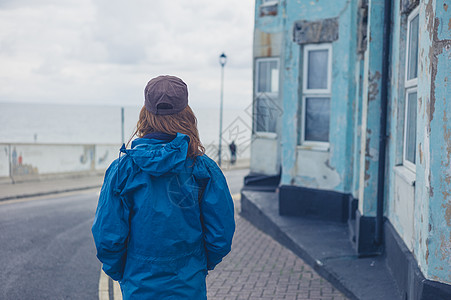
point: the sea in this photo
(100, 124)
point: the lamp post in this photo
(222, 62)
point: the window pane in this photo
(317, 69)
(268, 77)
(317, 116)
(412, 64)
(411, 127)
(261, 76)
(266, 115)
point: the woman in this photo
(165, 215)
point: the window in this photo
(412, 49)
(410, 127)
(411, 99)
(316, 94)
(267, 92)
(269, 8)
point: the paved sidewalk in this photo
(325, 245)
(258, 267)
(49, 186)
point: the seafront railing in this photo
(31, 161)
(21, 162)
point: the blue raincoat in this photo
(163, 220)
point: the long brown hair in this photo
(183, 122)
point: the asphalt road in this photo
(46, 247)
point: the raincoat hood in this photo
(157, 157)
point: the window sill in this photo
(319, 148)
(265, 135)
(406, 174)
(270, 3)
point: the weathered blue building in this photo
(352, 113)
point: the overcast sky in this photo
(105, 51)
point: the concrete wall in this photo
(329, 169)
(21, 162)
(4, 161)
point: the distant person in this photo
(165, 214)
(232, 148)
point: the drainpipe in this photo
(383, 123)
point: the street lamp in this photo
(222, 62)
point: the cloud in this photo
(98, 51)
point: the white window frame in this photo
(307, 49)
(315, 93)
(257, 71)
(410, 86)
(414, 81)
(273, 95)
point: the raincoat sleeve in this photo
(111, 226)
(218, 216)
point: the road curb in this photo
(37, 194)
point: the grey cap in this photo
(165, 95)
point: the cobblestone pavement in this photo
(258, 267)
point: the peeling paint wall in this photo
(268, 23)
(434, 117)
(356, 147)
(267, 44)
(315, 171)
(330, 170)
(369, 151)
(418, 203)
